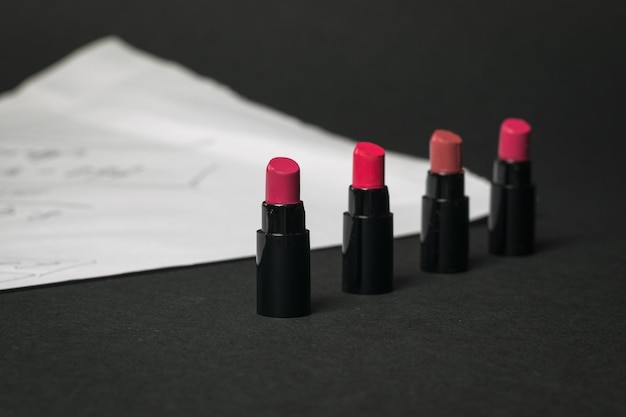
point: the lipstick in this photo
(445, 208)
(367, 251)
(512, 213)
(282, 244)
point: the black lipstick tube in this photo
(283, 273)
(512, 213)
(367, 242)
(445, 224)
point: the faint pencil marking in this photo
(201, 176)
(49, 203)
(68, 267)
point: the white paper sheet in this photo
(114, 161)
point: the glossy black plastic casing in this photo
(367, 251)
(445, 224)
(512, 209)
(283, 262)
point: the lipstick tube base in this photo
(367, 254)
(445, 235)
(512, 220)
(283, 275)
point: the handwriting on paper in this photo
(102, 166)
(12, 269)
(34, 210)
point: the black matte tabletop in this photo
(537, 335)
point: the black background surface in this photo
(542, 335)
